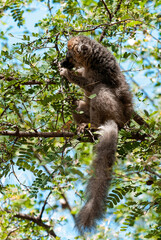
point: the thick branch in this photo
(36, 134)
(138, 119)
(138, 136)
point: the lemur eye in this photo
(84, 48)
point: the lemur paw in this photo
(63, 72)
(81, 128)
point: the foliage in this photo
(44, 164)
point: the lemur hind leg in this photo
(81, 115)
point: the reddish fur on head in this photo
(73, 41)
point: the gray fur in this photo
(98, 73)
(99, 182)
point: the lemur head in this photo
(77, 54)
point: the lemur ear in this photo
(84, 49)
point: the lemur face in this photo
(77, 53)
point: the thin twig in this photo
(104, 24)
(36, 220)
(102, 34)
(12, 231)
(32, 82)
(56, 44)
(111, 24)
(145, 93)
(62, 194)
(4, 111)
(155, 38)
(43, 207)
(13, 171)
(108, 11)
(133, 70)
(32, 218)
(49, 7)
(118, 7)
(148, 169)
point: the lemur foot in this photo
(81, 128)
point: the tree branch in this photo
(38, 156)
(102, 34)
(138, 119)
(36, 134)
(108, 25)
(118, 7)
(31, 82)
(33, 219)
(49, 82)
(43, 207)
(104, 24)
(36, 220)
(4, 111)
(49, 7)
(12, 231)
(148, 169)
(138, 136)
(108, 11)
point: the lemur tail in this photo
(99, 183)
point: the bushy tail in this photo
(99, 182)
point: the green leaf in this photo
(126, 55)
(10, 34)
(92, 96)
(76, 171)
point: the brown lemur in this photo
(99, 75)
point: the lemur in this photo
(98, 74)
